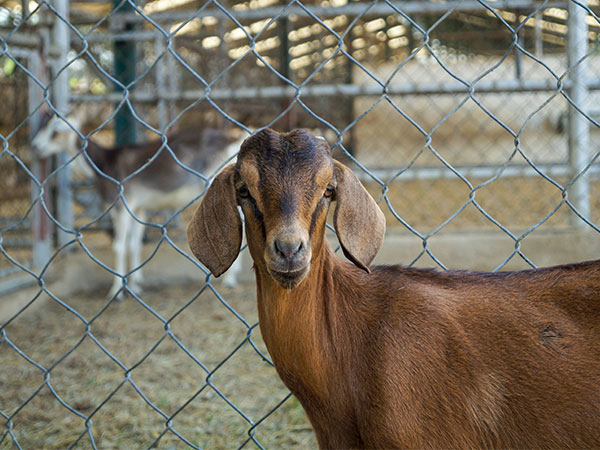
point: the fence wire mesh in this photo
(458, 116)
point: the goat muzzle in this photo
(291, 278)
(288, 260)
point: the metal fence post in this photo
(173, 82)
(288, 121)
(40, 222)
(64, 203)
(539, 43)
(162, 89)
(521, 44)
(579, 129)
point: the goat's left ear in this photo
(359, 223)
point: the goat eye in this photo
(329, 192)
(244, 192)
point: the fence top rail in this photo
(473, 172)
(352, 9)
(346, 90)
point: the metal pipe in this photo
(23, 42)
(351, 9)
(173, 81)
(473, 172)
(579, 128)
(64, 202)
(160, 81)
(521, 44)
(347, 90)
(42, 239)
(287, 121)
(538, 34)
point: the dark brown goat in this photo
(393, 357)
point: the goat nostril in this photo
(288, 249)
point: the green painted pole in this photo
(125, 57)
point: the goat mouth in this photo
(289, 279)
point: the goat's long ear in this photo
(215, 232)
(359, 223)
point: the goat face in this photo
(54, 136)
(57, 135)
(284, 184)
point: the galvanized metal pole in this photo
(161, 82)
(349, 79)
(173, 82)
(25, 7)
(342, 90)
(579, 129)
(223, 58)
(40, 222)
(520, 42)
(379, 9)
(538, 34)
(64, 203)
(288, 121)
(125, 61)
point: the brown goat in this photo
(394, 357)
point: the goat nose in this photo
(288, 249)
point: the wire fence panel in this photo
(473, 123)
(14, 184)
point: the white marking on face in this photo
(56, 136)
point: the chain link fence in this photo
(471, 122)
(14, 186)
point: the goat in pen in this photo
(394, 357)
(162, 181)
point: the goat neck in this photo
(307, 315)
(321, 342)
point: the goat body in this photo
(403, 358)
(393, 357)
(161, 183)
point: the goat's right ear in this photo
(215, 232)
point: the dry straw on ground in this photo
(86, 378)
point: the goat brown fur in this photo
(394, 357)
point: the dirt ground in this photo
(178, 368)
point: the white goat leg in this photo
(135, 243)
(122, 222)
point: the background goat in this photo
(162, 184)
(393, 357)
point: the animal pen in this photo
(474, 125)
